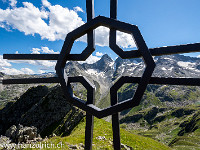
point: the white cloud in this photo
(44, 50)
(63, 21)
(2, 26)
(27, 19)
(13, 3)
(102, 36)
(32, 62)
(35, 51)
(90, 60)
(99, 54)
(198, 56)
(53, 22)
(27, 71)
(48, 51)
(13, 71)
(42, 63)
(46, 3)
(125, 40)
(41, 71)
(46, 64)
(77, 9)
(5, 65)
(3, 62)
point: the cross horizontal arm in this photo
(31, 80)
(165, 81)
(175, 81)
(154, 52)
(168, 50)
(153, 80)
(31, 56)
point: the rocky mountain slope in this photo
(169, 114)
(44, 108)
(105, 72)
(9, 93)
(44, 111)
(178, 127)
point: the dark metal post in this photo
(115, 117)
(115, 121)
(89, 120)
(90, 97)
(89, 131)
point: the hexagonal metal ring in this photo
(66, 56)
(87, 84)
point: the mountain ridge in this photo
(178, 66)
(169, 114)
(105, 72)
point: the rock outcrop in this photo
(22, 134)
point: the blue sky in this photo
(40, 26)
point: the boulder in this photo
(22, 134)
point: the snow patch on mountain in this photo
(188, 65)
(95, 72)
(170, 69)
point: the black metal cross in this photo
(116, 107)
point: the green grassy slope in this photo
(177, 127)
(104, 129)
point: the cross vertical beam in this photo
(90, 97)
(115, 117)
